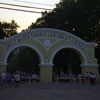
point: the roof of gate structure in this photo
(47, 33)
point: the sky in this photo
(24, 19)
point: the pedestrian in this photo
(92, 79)
(81, 78)
(12, 80)
(87, 77)
(3, 78)
(8, 77)
(17, 79)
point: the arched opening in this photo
(67, 61)
(24, 59)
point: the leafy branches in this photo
(8, 29)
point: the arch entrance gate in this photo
(47, 42)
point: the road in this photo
(51, 91)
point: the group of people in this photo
(92, 77)
(14, 79)
(10, 79)
(88, 76)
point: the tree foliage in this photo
(23, 59)
(80, 17)
(66, 61)
(8, 29)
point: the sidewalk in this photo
(51, 91)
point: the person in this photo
(34, 77)
(12, 80)
(81, 78)
(87, 77)
(92, 78)
(3, 78)
(80, 75)
(23, 76)
(17, 79)
(8, 76)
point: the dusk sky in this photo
(24, 19)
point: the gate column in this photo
(46, 73)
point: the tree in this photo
(80, 17)
(23, 59)
(66, 61)
(67, 16)
(92, 9)
(8, 29)
(2, 33)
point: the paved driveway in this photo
(53, 91)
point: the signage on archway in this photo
(45, 35)
(47, 42)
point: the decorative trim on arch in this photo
(49, 45)
(27, 45)
(66, 46)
